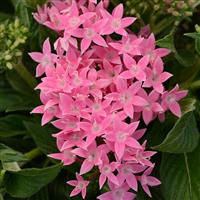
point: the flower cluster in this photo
(15, 36)
(99, 91)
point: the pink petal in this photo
(175, 109)
(46, 47)
(86, 167)
(84, 191)
(113, 178)
(72, 183)
(146, 189)
(100, 41)
(118, 11)
(40, 70)
(141, 76)
(158, 87)
(121, 31)
(36, 56)
(102, 180)
(85, 43)
(139, 101)
(127, 21)
(152, 181)
(74, 192)
(147, 116)
(126, 75)
(39, 109)
(128, 109)
(119, 149)
(46, 118)
(165, 76)
(143, 62)
(131, 142)
(132, 182)
(161, 52)
(128, 61)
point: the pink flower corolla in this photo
(135, 70)
(80, 186)
(156, 77)
(147, 180)
(170, 100)
(126, 97)
(116, 23)
(98, 90)
(45, 59)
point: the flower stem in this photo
(33, 154)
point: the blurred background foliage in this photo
(25, 170)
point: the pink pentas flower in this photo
(127, 173)
(129, 44)
(149, 48)
(147, 180)
(156, 77)
(80, 186)
(121, 135)
(91, 33)
(170, 100)
(97, 90)
(106, 172)
(92, 157)
(152, 107)
(126, 97)
(135, 70)
(116, 23)
(45, 59)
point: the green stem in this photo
(33, 154)
(25, 74)
(2, 173)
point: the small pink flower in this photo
(135, 70)
(45, 59)
(156, 77)
(106, 170)
(116, 23)
(122, 137)
(171, 98)
(147, 180)
(80, 186)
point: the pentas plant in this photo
(98, 91)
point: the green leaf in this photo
(41, 195)
(185, 58)
(27, 182)
(19, 84)
(167, 42)
(180, 176)
(193, 35)
(12, 125)
(42, 137)
(7, 154)
(183, 137)
(196, 37)
(8, 98)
